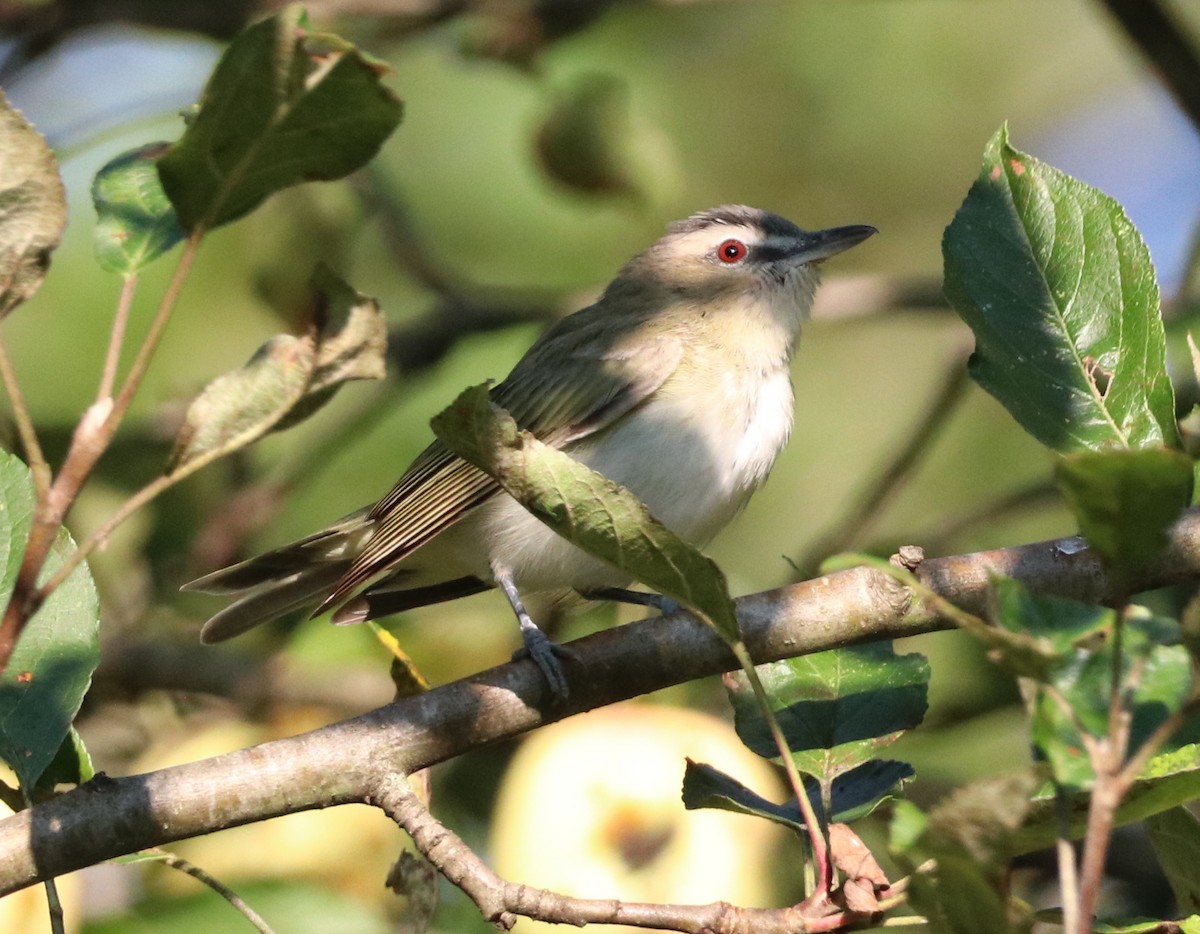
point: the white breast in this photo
(692, 455)
(767, 427)
(693, 463)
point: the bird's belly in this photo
(694, 468)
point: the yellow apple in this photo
(591, 807)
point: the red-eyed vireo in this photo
(674, 384)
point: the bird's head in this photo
(733, 254)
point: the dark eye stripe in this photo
(766, 253)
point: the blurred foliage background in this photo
(546, 141)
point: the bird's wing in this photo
(570, 384)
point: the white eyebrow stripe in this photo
(709, 238)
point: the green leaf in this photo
(287, 379)
(837, 709)
(1058, 287)
(283, 106)
(51, 667)
(707, 787)
(971, 835)
(1160, 687)
(1170, 779)
(1125, 501)
(33, 207)
(71, 765)
(135, 222)
(855, 793)
(1175, 835)
(1036, 635)
(587, 509)
(238, 408)
(1067, 647)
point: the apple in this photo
(591, 807)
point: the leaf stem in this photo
(135, 502)
(112, 358)
(24, 422)
(96, 539)
(92, 437)
(54, 905)
(816, 828)
(141, 363)
(191, 869)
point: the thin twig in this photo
(112, 359)
(1091, 744)
(1107, 756)
(1068, 880)
(141, 363)
(1133, 767)
(500, 901)
(29, 439)
(191, 869)
(54, 907)
(92, 437)
(1102, 809)
(100, 536)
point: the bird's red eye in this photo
(731, 251)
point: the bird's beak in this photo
(819, 245)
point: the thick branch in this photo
(332, 765)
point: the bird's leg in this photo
(538, 646)
(665, 605)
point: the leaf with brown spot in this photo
(33, 207)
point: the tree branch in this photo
(1152, 27)
(500, 901)
(108, 817)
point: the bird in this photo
(675, 383)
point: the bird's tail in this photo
(294, 577)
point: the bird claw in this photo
(545, 653)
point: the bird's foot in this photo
(546, 654)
